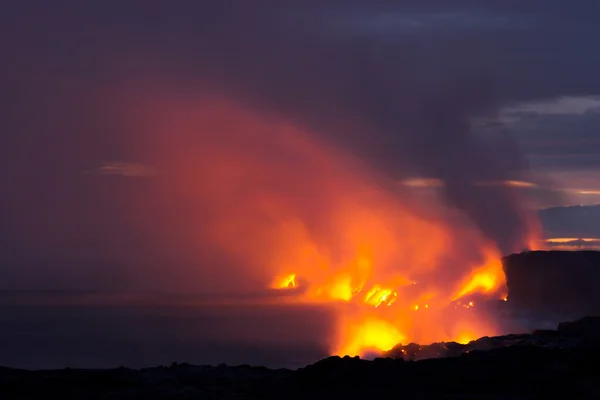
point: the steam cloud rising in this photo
(398, 100)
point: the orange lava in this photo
(378, 316)
(285, 282)
(292, 212)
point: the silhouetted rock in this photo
(554, 282)
(569, 335)
(584, 327)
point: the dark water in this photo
(84, 336)
(91, 330)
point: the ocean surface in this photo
(49, 330)
(43, 334)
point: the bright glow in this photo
(465, 338)
(369, 334)
(285, 282)
(422, 182)
(522, 184)
(566, 240)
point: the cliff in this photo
(554, 282)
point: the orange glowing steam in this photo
(292, 212)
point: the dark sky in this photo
(470, 93)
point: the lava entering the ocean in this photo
(379, 316)
(293, 212)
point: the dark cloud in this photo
(396, 83)
(560, 142)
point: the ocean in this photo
(43, 334)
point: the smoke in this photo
(247, 192)
(402, 103)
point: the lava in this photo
(365, 328)
(285, 282)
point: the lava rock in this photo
(556, 282)
(584, 327)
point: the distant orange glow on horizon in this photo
(564, 240)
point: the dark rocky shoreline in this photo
(559, 362)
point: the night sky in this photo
(100, 146)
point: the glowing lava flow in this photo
(285, 282)
(378, 317)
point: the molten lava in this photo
(285, 282)
(381, 318)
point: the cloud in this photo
(592, 192)
(393, 23)
(422, 183)
(580, 185)
(560, 142)
(129, 170)
(561, 106)
(558, 139)
(429, 183)
(566, 105)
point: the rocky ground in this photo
(543, 364)
(568, 336)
